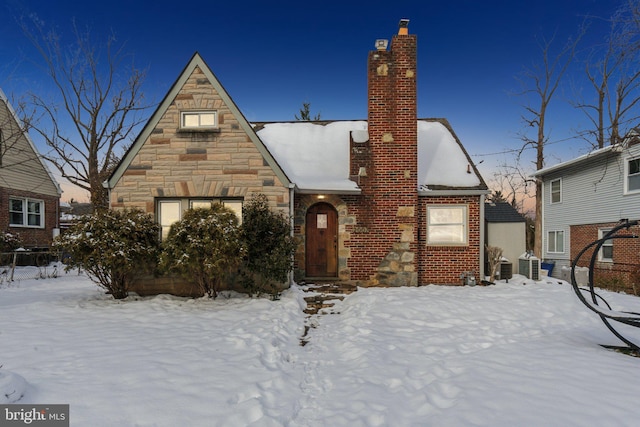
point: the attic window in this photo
(198, 120)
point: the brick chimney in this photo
(391, 184)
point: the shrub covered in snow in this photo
(266, 236)
(112, 246)
(204, 246)
(9, 241)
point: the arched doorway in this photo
(321, 249)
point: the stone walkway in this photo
(321, 301)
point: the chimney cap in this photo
(381, 44)
(403, 27)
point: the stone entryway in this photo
(321, 300)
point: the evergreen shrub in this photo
(269, 246)
(204, 246)
(112, 246)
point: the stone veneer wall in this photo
(178, 163)
(345, 222)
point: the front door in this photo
(322, 241)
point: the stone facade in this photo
(177, 163)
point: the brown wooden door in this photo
(322, 241)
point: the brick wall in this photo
(444, 264)
(623, 274)
(386, 211)
(32, 237)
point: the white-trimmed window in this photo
(606, 250)
(447, 225)
(632, 175)
(24, 212)
(555, 190)
(555, 241)
(171, 210)
(199, 119)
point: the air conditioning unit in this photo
(529, 266)
(506, 271)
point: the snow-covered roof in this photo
(315, 155)
(442, 161)
(585, 157)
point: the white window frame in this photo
(198, 117)
(555, 241)
(26, 203)
(608, 243)
(435, 221)
(559, 192)
(188, 203)
(626, 175)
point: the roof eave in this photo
(454, 192)
(586, 157)
(353, 192)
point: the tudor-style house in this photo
(583, 199)
(388, 201)
(29, 195)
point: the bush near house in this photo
(112, 247)
(9, 241)
(204, 246)
(266, 236)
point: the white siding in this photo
(21, 168)
(592, 193)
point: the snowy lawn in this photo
(504, 355)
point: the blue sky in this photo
(272, 56)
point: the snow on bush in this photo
(204, 246)
(112, 246)
(9, 241)
(266, 236)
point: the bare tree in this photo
(513, 185)
(541, 83)
(612, 71)
(101, 102)
(10, 134)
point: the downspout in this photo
(482, 231)
(292, 221)
(542, 233)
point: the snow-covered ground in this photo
(506, 355)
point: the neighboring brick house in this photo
(585, 197)
(29, 195)
(389, 201)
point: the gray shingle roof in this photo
(501, 212)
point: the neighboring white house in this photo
(585, 197)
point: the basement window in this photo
(194, 120)
(606, 250)
(447, 225)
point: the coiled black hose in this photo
(625, 317)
